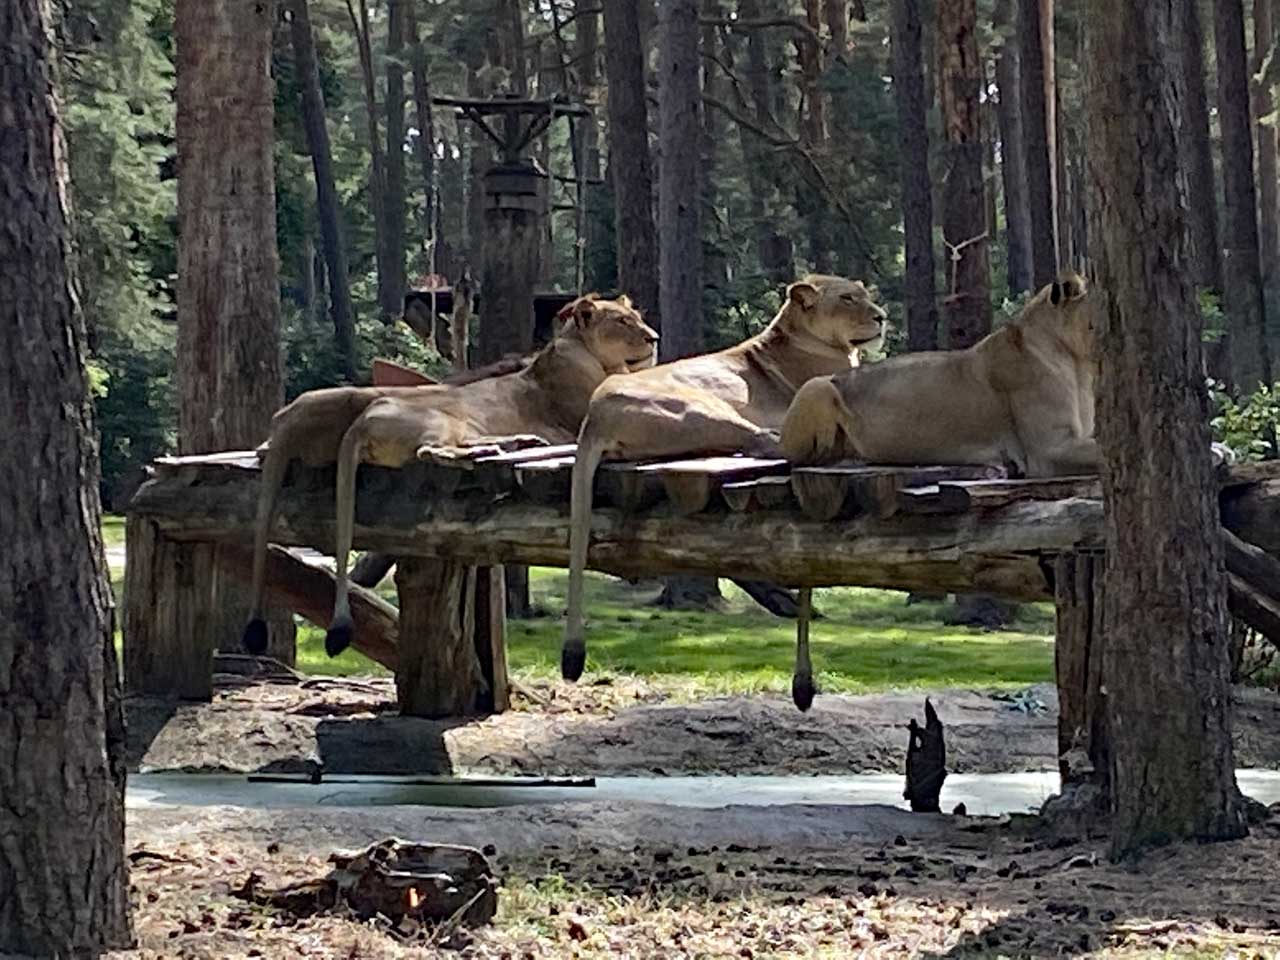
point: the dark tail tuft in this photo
(338, 637)
(255, 636)
(572, 663)
(803, 691)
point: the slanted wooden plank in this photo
(960, 495)
(1244, 474)
(1252, 606)
(232, 458)
(766, 493)
(689, 484)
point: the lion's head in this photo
(1064, 310)
(838, 311)
(613, 332)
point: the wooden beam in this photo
(961, 495)
(440, 674)
(308, 590)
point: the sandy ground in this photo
(623, 728)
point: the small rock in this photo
(960, 810)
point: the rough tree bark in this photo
(1196, 153)
(629, 159)
(391, 290)
(967, 293)
(1035, 133)
(680, 181)
(1251, 358)
(1264, 37)
(1172, 772)
(811, 203)
(230, 379)
(331, 236)
(359, 16)
(426, 142)
(1013, 156)
(63, 876)
(920, 283)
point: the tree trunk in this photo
(629, 158)
(1172, 773)
(811, 202)
(426, 142)
(1263, 103)
(919, 284)
(62, 770)
(331, 236)
(680, 181)
(1196, 153)
(1013, 156)
(391, 290)
(511, 44)
(967, 297)
(377, 166)
(229, 365)
(1035, 133)
(1251, 359)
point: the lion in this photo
(727, 402)
(543, 403)
(1023, 396)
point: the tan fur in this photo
(390, 426)
(1023, 395)
(726, 402)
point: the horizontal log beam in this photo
(997, 552)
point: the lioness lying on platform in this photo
(1023, 396)
(727, 402)
(391, 426)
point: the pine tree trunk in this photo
(1196, 153)
(230, 380)
(1013, 157)
(629, 159)
(919, 284)
(63, 875)
(967, 295)
(377, 164)
(1251, 360)
(1172, 774)
(391, 290)
(1263, 103)
(680, 181)
(1035, 133)
(331, 235)
(426, 142)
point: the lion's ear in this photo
(803, 294)
(625, 301)
(585, 310)
(1070, 288)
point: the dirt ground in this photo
(624, 727)
(595, 879)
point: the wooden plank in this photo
(545, 481)
(489, 627)
(691, 483)
(496, 474)
(1256, 609)
(841, 490)
(766, 493)
(961, 495)
(221, 458)
(307, 589)
(1244, 474)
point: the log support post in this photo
(452, 643)
(1083, 745)
(168, 618)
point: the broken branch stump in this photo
(926, 762)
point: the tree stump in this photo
(926, 762)
(396, 879)
(168, 624)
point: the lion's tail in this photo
(573, 654)
(819, 426)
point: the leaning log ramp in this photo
(452, 524)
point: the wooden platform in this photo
(931, 527)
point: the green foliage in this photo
(1247, 425)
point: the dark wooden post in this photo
(168, 618)
(452, 645)
(1083, 750)
(515, 221)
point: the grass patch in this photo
(868, 640)
(113, 530)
